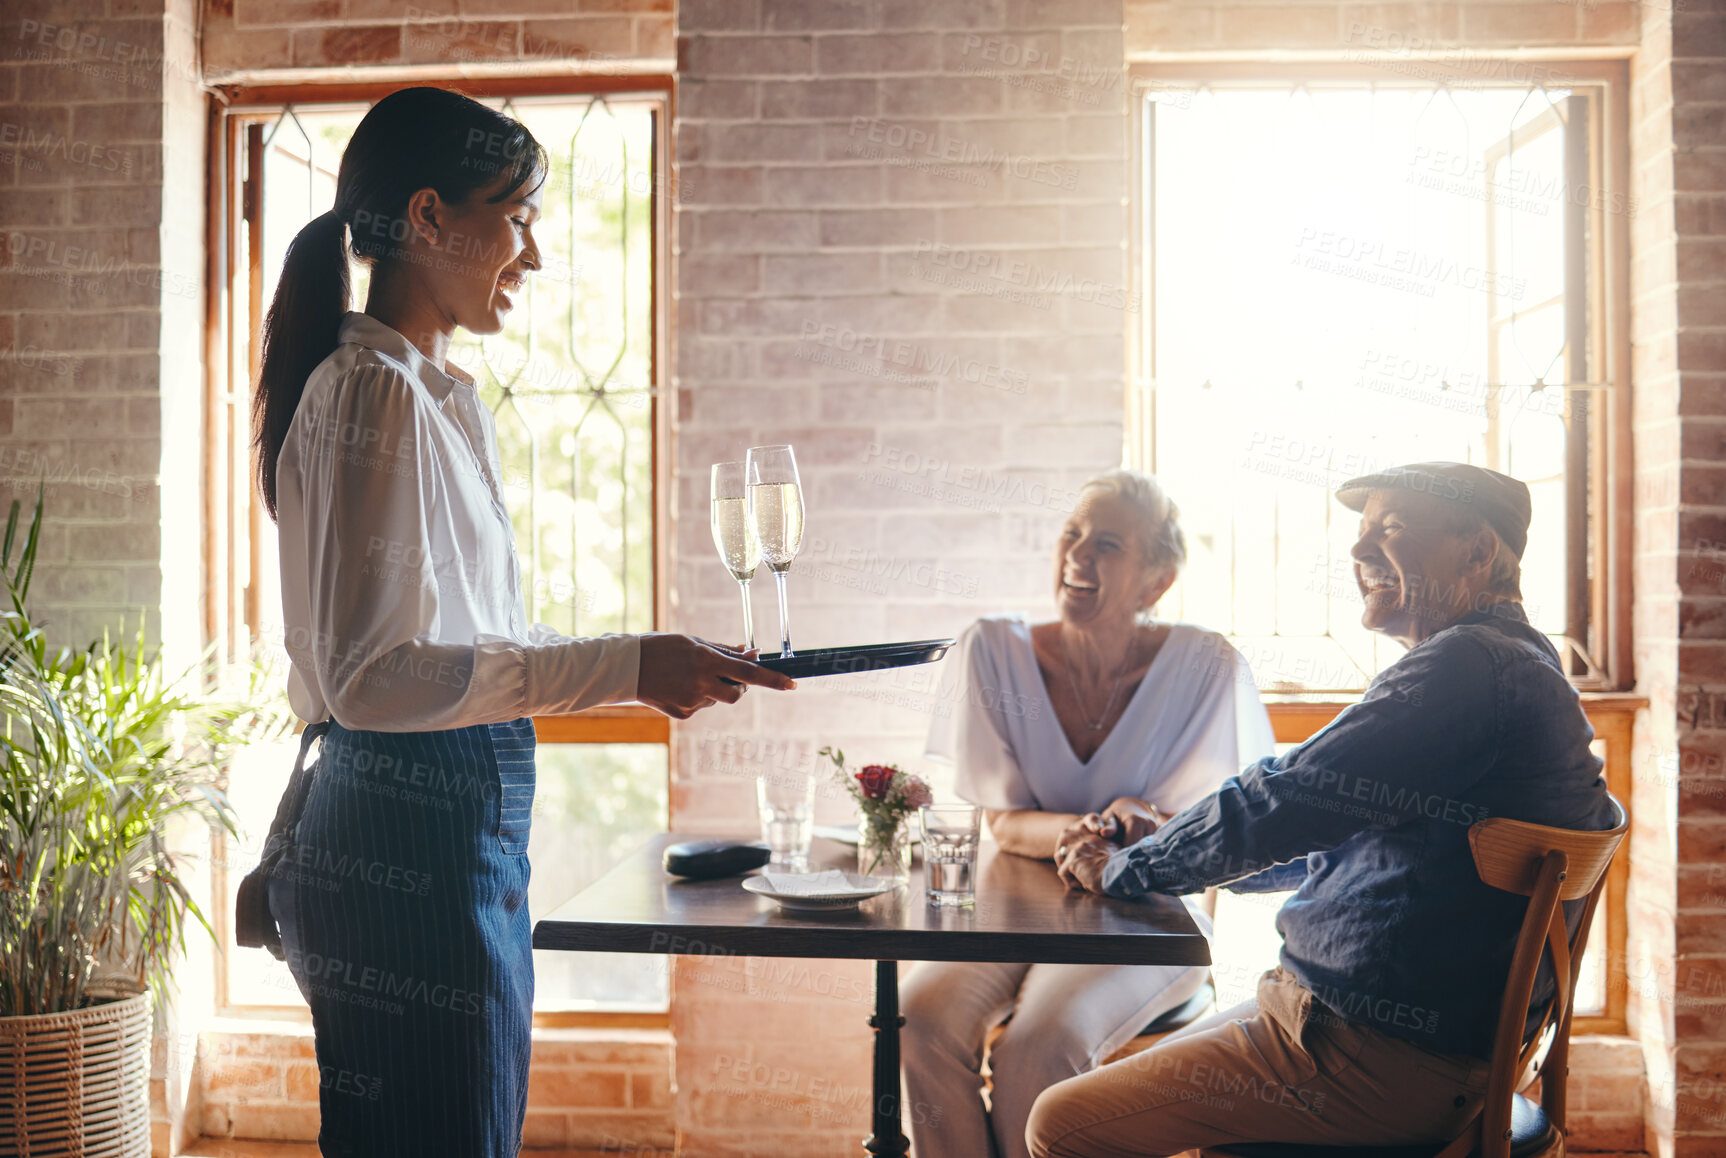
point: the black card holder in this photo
(705, 860)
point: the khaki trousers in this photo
(1268, 1070)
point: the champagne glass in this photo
(734, 533)
(776, 505)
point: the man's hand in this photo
(681, 675)
(1087, 826)
(1134, 819)
(1080, 862)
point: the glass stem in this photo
(748, 617)
(784, 616)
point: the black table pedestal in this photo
(888, 1136)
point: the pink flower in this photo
(876, 780)
(917, 793)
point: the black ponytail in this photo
(299, 332)
(413, 139)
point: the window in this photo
(573, 385)
(1343, 275)
(1344, 270)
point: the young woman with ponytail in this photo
(400, 898)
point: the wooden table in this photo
(1023, 913)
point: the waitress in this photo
(402, 601)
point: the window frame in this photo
(231, 278)
(1610, 701)
(1609, 597)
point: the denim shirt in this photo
(1390, 926)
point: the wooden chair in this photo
(1547, 865)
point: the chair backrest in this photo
(1548, 866)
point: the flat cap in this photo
(1501, 500)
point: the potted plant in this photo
(98, 752)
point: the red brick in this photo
(274, 1122)
(252, 1079)
(1280, 26)
(545, 1130)
(597, 37)
(645, 1048)
(1161, 26)
(1698, 34)
(629, 1133)
(1519, 25)
(285, 12)
(878, 55)
(356, 44)
(656, 40)
(1591, 1131)
(699, 98)
(301, 1081)
(762, 142)
(818, 99)
(718, 15)
(980, 14)
(832, 15)
(227, 49)
(731, 56)
(572, 1088)
(650, 1091)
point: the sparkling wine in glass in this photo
(776, 504)
(734, 533)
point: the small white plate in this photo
(874, 887)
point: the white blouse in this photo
(1195, 720)
(401, 590)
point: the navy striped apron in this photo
(403, 913)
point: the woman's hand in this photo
(1132, 820)
(680, 675)
(1085, 827)
(1080, 862)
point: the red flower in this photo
(877, 780)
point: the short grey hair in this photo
(1505, 578)
(1159, 519)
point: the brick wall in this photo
(1181, 27)
(1654, 371)
(287, 39)
(83, 295)
(874, 193)
(1697, 451)
(587, 1090)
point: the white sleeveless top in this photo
(1195, 720)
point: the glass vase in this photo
(884, 850)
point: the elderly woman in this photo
(1101, 710)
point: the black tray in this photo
(820, 661)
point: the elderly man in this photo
(1376, 1027)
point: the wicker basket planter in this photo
(77, 1085)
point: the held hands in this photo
(1084, 847)
(1133, 820)
(680, 674)
(1080, 862)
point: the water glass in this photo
(787, 804)
(950, 835)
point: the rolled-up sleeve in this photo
(1414, 745)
